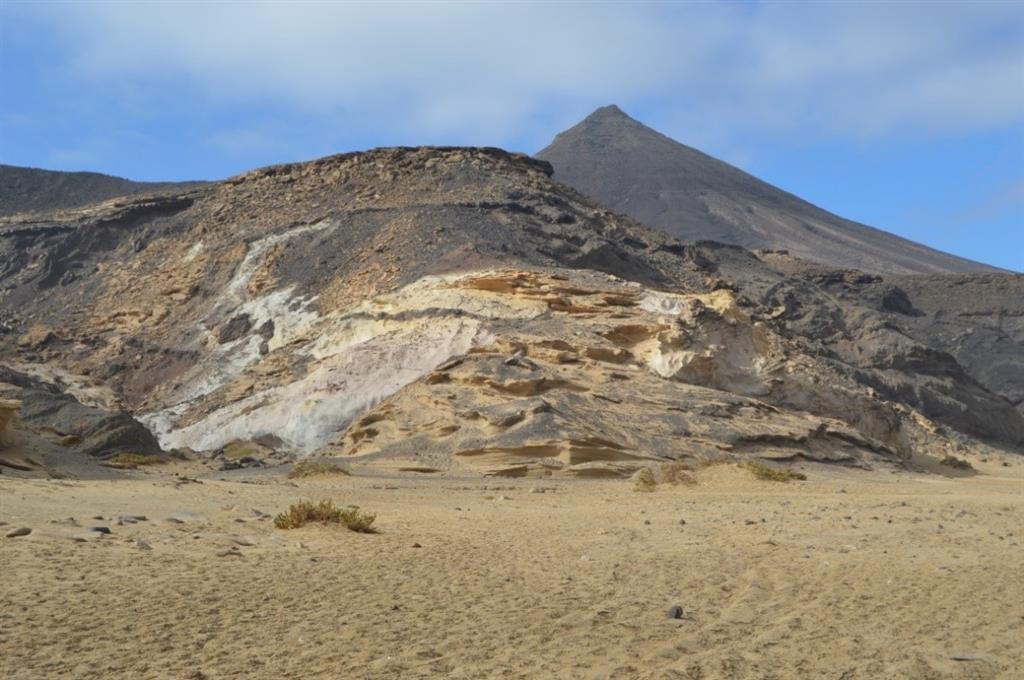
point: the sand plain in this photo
(851, 574)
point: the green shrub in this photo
(770, 474)
(675, 473)
(316, 468)
(956, 463)
(325, 512)
(644, 480)
(131, 461)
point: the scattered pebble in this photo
(416, 545)
(100, 530)
(675, 612)
(233, 551)
(20, 531)
(142, 544)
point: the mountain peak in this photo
(610, 111)
(634, 169)
(610, 114)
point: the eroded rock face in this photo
(611, 375)
(292, 303)
(80, 414)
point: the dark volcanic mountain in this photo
(34, 190)
(635, 170)
(457, 309)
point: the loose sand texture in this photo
(851, 574)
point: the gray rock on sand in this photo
(20, 531)
(675, 612)
(142, 544)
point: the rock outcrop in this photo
(31, 190)
(459, 305)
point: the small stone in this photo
(241, 540)
(647, 521)
(416, 545)
(675, 612)
(20, 531)
(100, 530)
(230, 552)
(142, 544)
(682, 522)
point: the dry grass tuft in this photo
(644, 480)
(770, 474)
(956, 463)
(131, 461)
(676, 473)
(317, 468)
(325, 512)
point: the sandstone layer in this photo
(458, 306)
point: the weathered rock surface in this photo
(34, 190)
(607, 375)
(79, 414)
(456, 304)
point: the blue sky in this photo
(906, 116)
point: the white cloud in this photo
(489, 73)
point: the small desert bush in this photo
(674, 474)
(131, 461)
(770, 474)
(325, 512)
(956, 463)
(316, 468)
(644, 480)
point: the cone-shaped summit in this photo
(636, 170)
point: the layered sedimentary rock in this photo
(319, 307)
(605, 375)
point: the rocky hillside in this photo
(637, 171)
(456, 309)
(34, 190)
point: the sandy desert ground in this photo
(852, 574)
